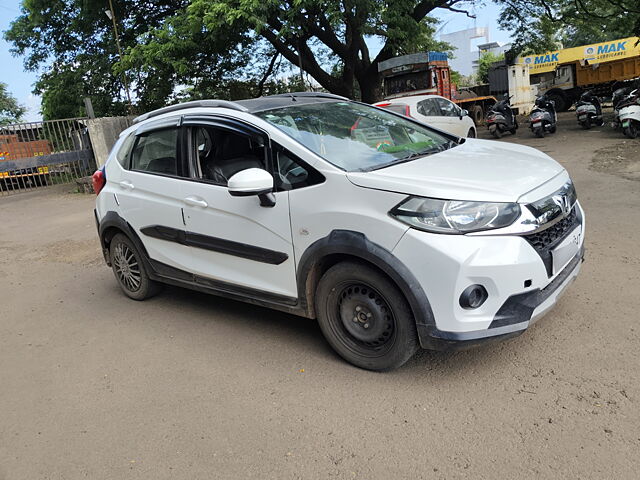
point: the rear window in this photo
(400, 108)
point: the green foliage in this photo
(181, 49)
(544, 25)
(10, 110)
(485, 62)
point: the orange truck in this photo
(428, 73)
(12, 148)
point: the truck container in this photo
(563, 75)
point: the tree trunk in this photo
(370, 86)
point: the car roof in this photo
(411, 98)
(252, 105)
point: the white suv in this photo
(392, 234)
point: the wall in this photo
(104, 133)
(466, 50)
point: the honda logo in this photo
(562, 201)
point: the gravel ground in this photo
(93, 385)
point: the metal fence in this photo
(39, 154)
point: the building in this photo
(466, 43)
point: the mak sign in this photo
(589, 54)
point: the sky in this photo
(20, 83)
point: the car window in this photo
(354, 136)
(429, 108)
(449, 109)
(122, 155)
(217, 153)
(291, 172)
(400, 108)
(156, 152)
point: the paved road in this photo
(93, 385)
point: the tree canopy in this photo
(191, 48)
(10, 110)
(542, 25)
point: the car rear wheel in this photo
(365, 318)
(129, 270)
(471, 133)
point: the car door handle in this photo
(126, 184)
(195, 202)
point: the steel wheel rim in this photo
(365, 319)
(127, 267)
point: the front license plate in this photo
(563, 253)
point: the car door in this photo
(149, 191)
(430, 113)
(235, 241)
(452, 118)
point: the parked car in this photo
(434, 110)
(393, 234)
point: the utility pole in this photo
(111, 14)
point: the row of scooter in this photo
(543, 118)
(626, 111)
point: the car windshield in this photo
(356, 137)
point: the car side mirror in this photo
(463, 113)
(253, 181)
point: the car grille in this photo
(542, 240)
(546, 240)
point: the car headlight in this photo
(454, 216)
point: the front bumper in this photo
(514, 317)
(519, 280)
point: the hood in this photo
(477, 170)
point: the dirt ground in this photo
(186, 386)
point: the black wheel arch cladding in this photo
(356, 245)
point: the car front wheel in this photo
(365, 318)
(129, 270)
(471, 133)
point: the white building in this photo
(466, 43)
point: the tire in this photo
(513, 131)
(539, 132)
(129, 270)
(477, 114)
(471, 133)
(559, 101)
(631, 131)
(497, 133)
(586, 125)
(553, 129)
(365, 317)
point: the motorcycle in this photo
(589, 111)
(500, 118)
(629, 113)
(543, 117)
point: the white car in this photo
(392, 234)
(434, 110)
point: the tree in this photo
(543, 25)
(74, 41)
(10, 110)
(487, 59)
(300, 30)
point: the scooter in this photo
(500, 118)
(618, 97)
(629, 113)
(589, 111)
(543, 117)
